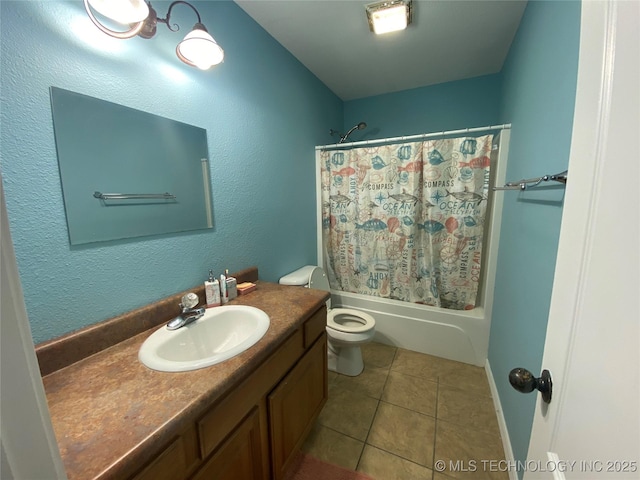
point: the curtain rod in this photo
(504, 126)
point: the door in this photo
(24, 412)
(592, 424)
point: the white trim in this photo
(492, 239)
(502, 423)
(24, 410)
(574, 230)
(601, 123)
(319, 255)
(408, 138)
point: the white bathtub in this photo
(461, 335)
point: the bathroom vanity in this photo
(244, 418)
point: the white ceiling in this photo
(448, 40)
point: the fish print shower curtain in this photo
(406, 221)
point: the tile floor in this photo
(406, 412)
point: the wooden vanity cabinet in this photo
(253, 432)
(295, 404)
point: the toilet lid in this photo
(318, 279)
(349, 320)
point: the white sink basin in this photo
(221, 333)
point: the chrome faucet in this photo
(189, 314)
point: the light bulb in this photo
(199, 49)
(390, 20)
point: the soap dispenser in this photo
(212, 290)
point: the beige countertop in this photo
(110, 413)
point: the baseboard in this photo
(504, 433)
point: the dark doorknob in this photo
(523, 380)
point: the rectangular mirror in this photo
(127, 173)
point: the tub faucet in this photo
(189, 314)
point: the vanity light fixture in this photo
(197, 49)
(389, 16)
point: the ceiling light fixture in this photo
(389, 16)
(197, 49)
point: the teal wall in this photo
(447, 106)
(538, 96)
(263, 112)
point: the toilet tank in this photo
(298, 277)
(303, 276)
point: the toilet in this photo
(347, 329)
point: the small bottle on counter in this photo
(224, 297)
(232, 286)
(212, 290)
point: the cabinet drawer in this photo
(315, 326)
(175, 461)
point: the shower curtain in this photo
(406, 221)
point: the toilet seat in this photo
(348, 320)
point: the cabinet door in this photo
(175, 461)
(295, 404)
(240, 456)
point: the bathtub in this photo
(461, 335)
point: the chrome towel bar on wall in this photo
(135, 196)
(533, 182)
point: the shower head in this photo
(360, 126)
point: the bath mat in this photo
(306, 467)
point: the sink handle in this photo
(189, 300)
